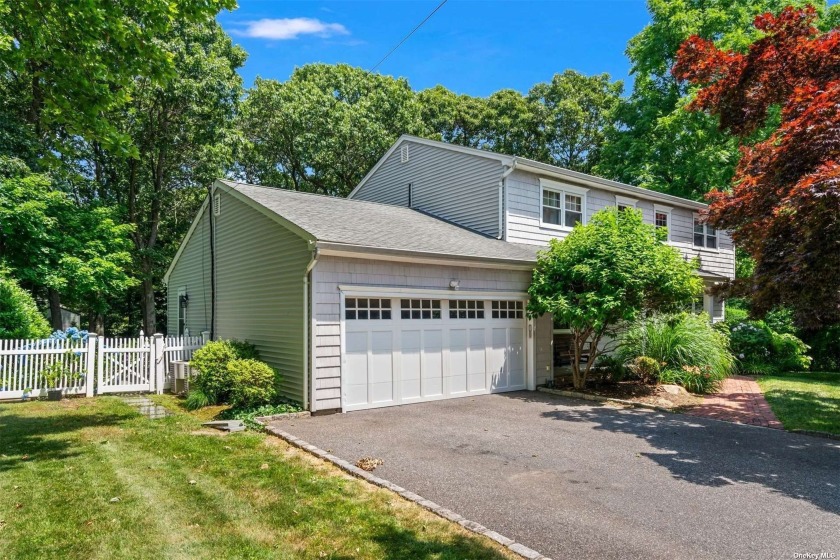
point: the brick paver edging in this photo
(448, 514)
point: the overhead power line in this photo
(404, 39)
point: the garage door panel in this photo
(410, 364)
(431, 370)
(457, 361)
(477, 360)
(498, 359)
(381, 370)
(356, 375)
(516, 358)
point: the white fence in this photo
(98, 365)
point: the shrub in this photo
(19, 316)
(244, 350)
(679, 340)
(790, 353)
(825, 348)
(750, 342)
(646, 368)
(254, 383)
(760, 350)
(213, 378)
(693, 378)
(611, 368)
(196, 399)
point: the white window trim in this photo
(694, 217)
(660, 209)
(625, 201)
(563, 189)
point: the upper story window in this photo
(662, 218)
(704, 235)
(367, 308)
(562, 205)
(623, 203)
(420, 309)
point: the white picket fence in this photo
(99, 365)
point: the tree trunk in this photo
(96, 324)
(55, 309)
(147, 304)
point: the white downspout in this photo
(502, 199)
(307, 370)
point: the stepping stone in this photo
(226, 425)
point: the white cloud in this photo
(292, 28)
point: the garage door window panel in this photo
(507, 310)
(367, 308)
(420, 309)
(466, 309)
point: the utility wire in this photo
(404, 39)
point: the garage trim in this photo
(443, 294)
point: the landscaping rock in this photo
(674, 389)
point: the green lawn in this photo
(186, 494)
(805, 400)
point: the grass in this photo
(804, 400)
(186, 492)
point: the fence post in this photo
(157, 357)
(90, 372)
(205, 337)
(100, 365)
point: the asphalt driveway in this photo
(570, 479)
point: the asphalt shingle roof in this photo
(380, 226)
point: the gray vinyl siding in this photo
(330, 272)
(192, 273)
(259, 289)
(462, 188)
(522, 220)
(544, 327)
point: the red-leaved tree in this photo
(784, 205)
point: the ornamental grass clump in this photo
(693, 354)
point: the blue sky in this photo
(469, 46)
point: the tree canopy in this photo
(656, 144)
(603, 275)
(784, 205)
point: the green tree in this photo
(457, 119)
(183, 134)
(574, 112)
(603, 275)
(71, 63)
(324, 128)
(19, 316)
(71, 252)
(656, 143)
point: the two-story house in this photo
(414, 287)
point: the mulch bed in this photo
(641, 393)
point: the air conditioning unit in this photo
(180, 374)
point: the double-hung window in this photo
(662, 218)
(562, 205)
(704, 235)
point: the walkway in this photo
(739, 400)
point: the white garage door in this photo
(407, 350)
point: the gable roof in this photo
(539, 168)
(343, 224)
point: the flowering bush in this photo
(759, 349)
(72, 334)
